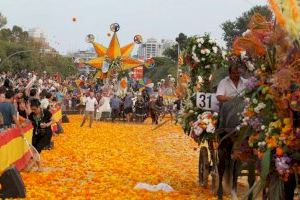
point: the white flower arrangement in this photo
(255, 101)
(195, 57)
(200, 40)
(250, 66)
(211, 41)
(224, 54)
(259, 107)
(243, 55)
(215, 49)
(200, 80)
(206, 122)
(247, 100)
(210, 128)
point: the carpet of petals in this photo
(107, 161)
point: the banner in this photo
(13, 148)
(56, 114)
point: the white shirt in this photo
(90, 104)
(227, 88)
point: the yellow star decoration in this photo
(114, 52)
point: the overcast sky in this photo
(150, 18)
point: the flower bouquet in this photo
(270, 120)
(206, 124)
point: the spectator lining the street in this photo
(8, 111)
(41, 120)
(115, 104)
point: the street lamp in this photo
(178, 55)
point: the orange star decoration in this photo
(114, 58)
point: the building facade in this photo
(153, 48)
(80, 57)
(39, 36)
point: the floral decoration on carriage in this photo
(205, 59)
(270, 122)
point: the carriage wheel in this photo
(214, 174)
(203, 167)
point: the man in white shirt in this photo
(90, 107)
(231, 86)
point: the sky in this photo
(161, 19)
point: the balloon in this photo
(138, 39)
(115, 27)
(90, 38)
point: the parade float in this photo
(270, 123)
(111, 61)
(206, 62)
(270, 127)
(116, 67)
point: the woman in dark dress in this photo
(41, 121)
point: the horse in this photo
(140, 109)
(228, 133)
(156, 108)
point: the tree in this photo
(28, 54)
(182, 40)
(3, 20)
(163, 67)
(18, 35)
(172, 52)
(236, 28)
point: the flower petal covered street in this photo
(107, 161)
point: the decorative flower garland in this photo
(204, 57)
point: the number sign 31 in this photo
(207, 101)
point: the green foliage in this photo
(18, 51)
(265, 164)
(163, 67)
(236, 28)
(3, 21)
(172, 52)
